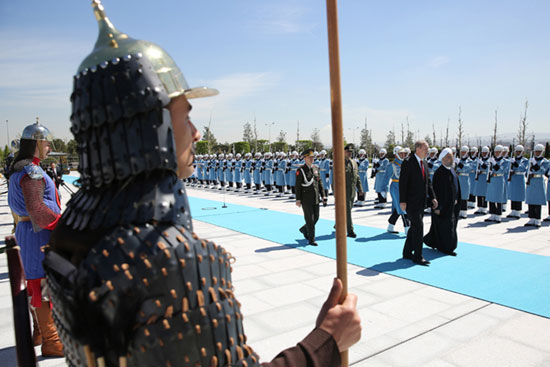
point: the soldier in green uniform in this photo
(309, 188)
(353, 185)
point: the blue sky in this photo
(269, 59)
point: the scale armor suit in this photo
(149, 292)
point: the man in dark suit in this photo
(415, 191)
(56, 175)
(443, 235)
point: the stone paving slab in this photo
(404, 323)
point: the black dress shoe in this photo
(313, 243)
(421, 261)
(450, 253)
(409, 257)
(352, 235)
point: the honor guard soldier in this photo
(316, 158)
(547, 219)
(536, 187)
(213, 171)
(295, 163)
(363, 166)
(199, 170)
(309, 192)
(33, 197)
(497, 181)
(268, 173)
(280, 174)
(379, 167)
(353, 186)
(258, 172)
(516, 181)
(482, 170)
(433, 162)
(238, 173)
(288, 161)
(229, 170)
(248, 171)
(463, 170)
(324, 169)
(394, 172)
(473, 161)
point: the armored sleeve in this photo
(318, 349)
(41, 216)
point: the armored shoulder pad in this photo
(34, 172)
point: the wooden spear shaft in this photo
(338, 152)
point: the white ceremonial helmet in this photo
(383, 151)
(315, 153)
(230, 156)
(464, 148)
(396, 149)
(362, 152)
(323, 152)
(220, 156)
(499, 148)
(519, 148)
(258, 155)
(453, 149)
(485, 149)
(539, 148)
(407, 150)
(238, 155)
(295, 153)
(473, 150)
(268, 155)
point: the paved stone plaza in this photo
(404, 323)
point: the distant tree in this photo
(447, 142)
(72, 147)
(316, 140)
(59, 146)
(209, 137)
(248, 134)
(255, 132)
(460, 132)
(302, 145)
(495, 129)
(201, 147)
(241, 147)
(366, 140)
(522, 131)
(434, 141)
(263, 145)
(282, 137)
(279, 146)
(221, 148)
(390, 140)
(428, 140)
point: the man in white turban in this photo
(442, 235)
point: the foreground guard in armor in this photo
(33, 197)
(131, 282)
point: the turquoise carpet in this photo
(509, 278)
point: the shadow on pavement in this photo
(381, 236)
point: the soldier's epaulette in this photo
(34, 172)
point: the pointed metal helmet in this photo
(112, 44)
(36, 131)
